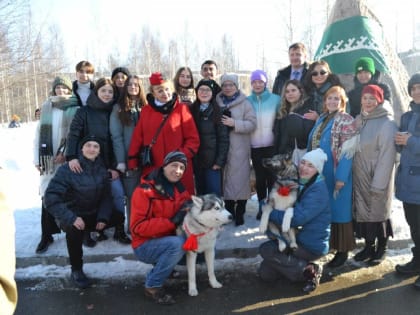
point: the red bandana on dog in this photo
(191, 243)
(284, 190)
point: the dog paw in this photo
(192, 292)
(293, 245)
(263, 229)
(215, 284)
(282, 246)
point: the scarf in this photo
(316, 137)
(229, 99)
(46, 153)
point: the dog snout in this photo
(230, 217)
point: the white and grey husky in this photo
(282, 197)
(201, 226)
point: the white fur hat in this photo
(317, 157)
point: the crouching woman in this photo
(158, 207)
(312, 217)
(80, 202)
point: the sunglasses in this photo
(315, 73)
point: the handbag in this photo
(146, 158)
(297, 154)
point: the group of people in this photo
(143, 155)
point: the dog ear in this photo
(198, 201)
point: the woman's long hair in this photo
(126, 103)
(286, 107)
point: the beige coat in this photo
(238, 168)
(373, 166)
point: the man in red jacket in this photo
(159, 205)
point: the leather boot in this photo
(312, 274)
(46, 241)
(339, 259)
(87, 239)
(260, 205)
(380, 253)
(120, 236)
(240, 211)
(366, 253)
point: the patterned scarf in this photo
(46, 154)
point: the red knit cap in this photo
(376, 91)
(156, 79)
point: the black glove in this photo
(178, 218)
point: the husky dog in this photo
(282, 197)
(201, 226)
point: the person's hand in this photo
(121, 167)
(178, 218)
(75, 166)
(79, 223)
(228, 121)
(311, 115)
(338, 185)
(401, 138)
(114, 174)
(59, 158)
(216, 167)
(100, 226)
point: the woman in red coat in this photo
(178, 132)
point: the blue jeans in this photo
(118, 195)
(208, 181)
(164, 253)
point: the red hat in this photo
(156, 79)
(376, 91)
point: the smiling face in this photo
(204, 94)
(333, 102)
(306, 169)
(91, 150)
(292, 93)
(174, 171)
(319, 75)
(209, 71)
(364, 76)
(133, 87)
(162, 93)
(119, 79)
(61, 90)
(185, 79)
(297, 57)
(106, 93)
(229, 88)
(369, 102)
(84, 75)
(258, 86)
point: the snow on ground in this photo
(16, 157)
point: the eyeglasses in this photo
(204, 90)
(228, 85)
(322, 72)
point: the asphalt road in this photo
(353, 289)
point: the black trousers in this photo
(264, 179)
(48, 224)
(412, 215)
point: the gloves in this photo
(178, 218)
(121, 167)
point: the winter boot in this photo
(87, 239)
(79, 279)
(312, 274)
(380, 253)
(46, 241)
(366, 253)
(240, 211)
(120, 236)
(339, 259)
(260, 205)
(101, 236)
(410, 269)
(230, 206)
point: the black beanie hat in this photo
(90, 138)
(415, 79)
(175, 156)
(207, 82)
(120, 69)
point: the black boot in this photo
(410, 269)
(79, 279)
(101, 236)
(380, 253)
(366, 253)
(120, 236)
(312, 274)
(230, 206)
(339, 259)
(87, 239)
(240, 211)
(260, 205)
(46, 241)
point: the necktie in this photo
(295, 75)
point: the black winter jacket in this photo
(92, 119)
(355, 95)
(70, 195)
(214, 137)
(283, 75)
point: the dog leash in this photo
(191, 243)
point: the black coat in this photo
(283, 75)
(214, 136)
(92, 119)
(70, 195)
(355, 95)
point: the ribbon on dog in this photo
(191, 243)
(284, 190)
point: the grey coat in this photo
(373, 166)
(237, 170)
